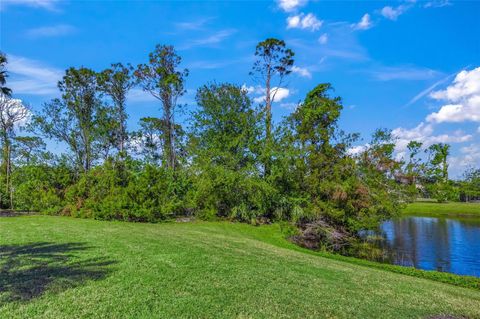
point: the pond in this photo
(442, 244)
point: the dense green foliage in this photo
(63, 268)
(231, 161)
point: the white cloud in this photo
(323, 39)
(301, 21)
(301, 71)
(293, 22)
(437, 4)
(428, 90)
(13, 112)
(469, 157)
(51, 31)
(277, 94)
(393, 13)
(291, 5)
(253, 89)
(137, 95)
(32, 77)
(212, 39)
(364, 23)
(43, 4)
(402, 73)
(357, 150)
(463, 98)
(424, 133)
(193, 25)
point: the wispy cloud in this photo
(217, 64)
(410, 73)
(193, 24)
(213, 39)
(32, 77)
(323, 39)
(51, 31)
(137, 95)
(437, 4)
(50, 5)
(429, 89)
(342, 44)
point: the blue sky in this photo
(412, 66)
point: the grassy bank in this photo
(443, 209)
(54, 267)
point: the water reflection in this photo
(450, 245)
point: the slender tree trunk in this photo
(121, 111)
(169, 136)
(268, 123)
(6, 167)
(445, 169)
(87, 150)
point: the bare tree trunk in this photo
(7, 170)
(121, 110)
(169, 143)
(268, 123)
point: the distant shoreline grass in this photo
(450, 209)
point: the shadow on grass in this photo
(27, 271)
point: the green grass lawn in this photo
(58, 267)
(442, 209)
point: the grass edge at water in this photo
(449, 209)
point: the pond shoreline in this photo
(450, 209)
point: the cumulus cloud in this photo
(51, 31)
(364, 23)
(424, 132)
(301, 71)
(462, 98)
(323, 39)
(291, 5)
(392, 13)
(253, 89)
(13, 112)
(277, 94)
(302, 21)
(357, 150)
(469, 157)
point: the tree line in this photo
(228, 161)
